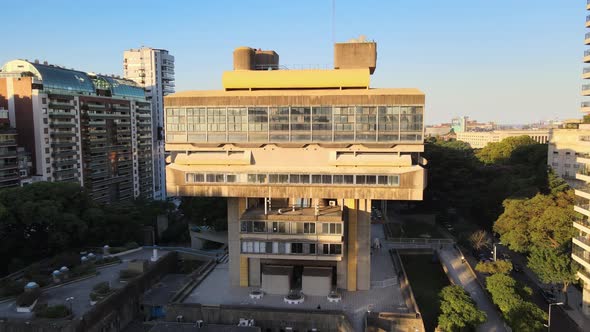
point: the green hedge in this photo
(54, 311)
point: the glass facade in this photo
(295, 124)
(295, 179)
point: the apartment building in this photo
(9, 175)
(300, 155)
(479, 139)
(153, 69)
(82, 127)
(581, 242)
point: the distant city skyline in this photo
(488, 60)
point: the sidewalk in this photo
(460, 275)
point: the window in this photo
(256, 178)
(296, 248)
(231, 178)
(278, 227)
(312, 248)
(246, 226)
(259, 227)
(278, 178)
(309, 228)
(332, 249)
(332, 228)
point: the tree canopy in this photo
(543, 221)
(553, 266)
(45, 218)
(509, 296)
(458, 311)
(509, 148)
(499, 266)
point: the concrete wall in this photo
(265, 318)
(254, 271)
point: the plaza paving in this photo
(216, 290)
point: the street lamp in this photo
(70, 300)
(548, 325)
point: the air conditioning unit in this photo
(332, 203)
(179, 318)
(243, 322)
(200, 323)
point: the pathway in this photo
(460, 275)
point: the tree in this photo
(501, 152)
(205, 211)
(499, 266)
(503, 290)
(480, 239)
(458, 311)
(553, 266)
(543, 221)
(509, 296)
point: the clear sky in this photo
(509, 61)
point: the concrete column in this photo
(351, 244)
(233, 236)
(363, 245)
(254, 272)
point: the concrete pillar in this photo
(586, 300)
(364, 245)
(254, 272)
(233, 235)
(351, 244)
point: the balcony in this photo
(580, 255)
(62, 125)
(61, 115)
(582, 224)
(588, 4)
(586, 90)
(587, 56)
(60, 105)
(584, 275)
(585, 107)
(583, 172)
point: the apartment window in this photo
(259, 227)
(309, 228)
(554, 164)
(256, 178)
(45, 120)
(332, 228)
(568, 153)
(278, 227)
(278, 178)
(568, 165)
(44, 110)
(332, 249)
(246, 227)
(43, 100)
(312, 248)
(296, 248)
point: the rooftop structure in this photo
(83, 127)
(300, 156)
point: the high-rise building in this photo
(153, 69)
(302, 156)
(9, 175)
(82, 127)
(581, 242)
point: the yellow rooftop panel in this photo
(314, 92)
(295, 79)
